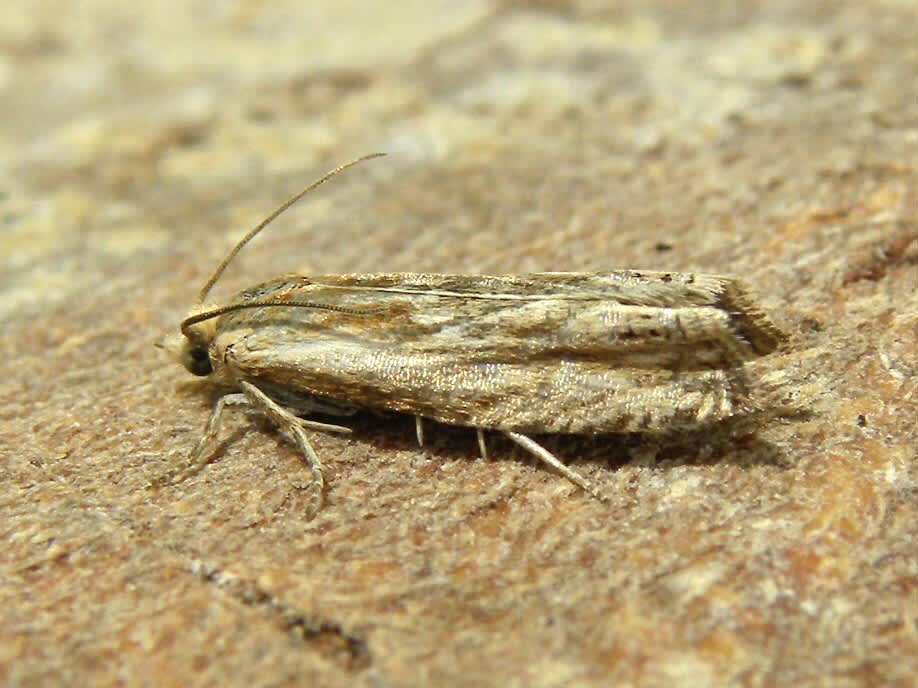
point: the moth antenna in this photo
(191, 320)
(208, 285)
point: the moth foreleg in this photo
(199, 456)
(546, 456)
(291, 426)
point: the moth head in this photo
(195, 356)
(191, 348)
(194, 350)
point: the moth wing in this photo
(538, 353)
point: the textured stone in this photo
(778, 141)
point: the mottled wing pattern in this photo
(546, 352)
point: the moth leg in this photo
(323, 427)
(419, 430)
(290, 425)
(199, 456)
(481, 443)
(542, 453)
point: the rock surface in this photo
(777, 141)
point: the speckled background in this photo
(776, 140)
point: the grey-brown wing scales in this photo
(557, 352)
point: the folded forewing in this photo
(552, 352)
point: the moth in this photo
(554, 352)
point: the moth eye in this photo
(197, 361)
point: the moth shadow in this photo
(732, 442)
